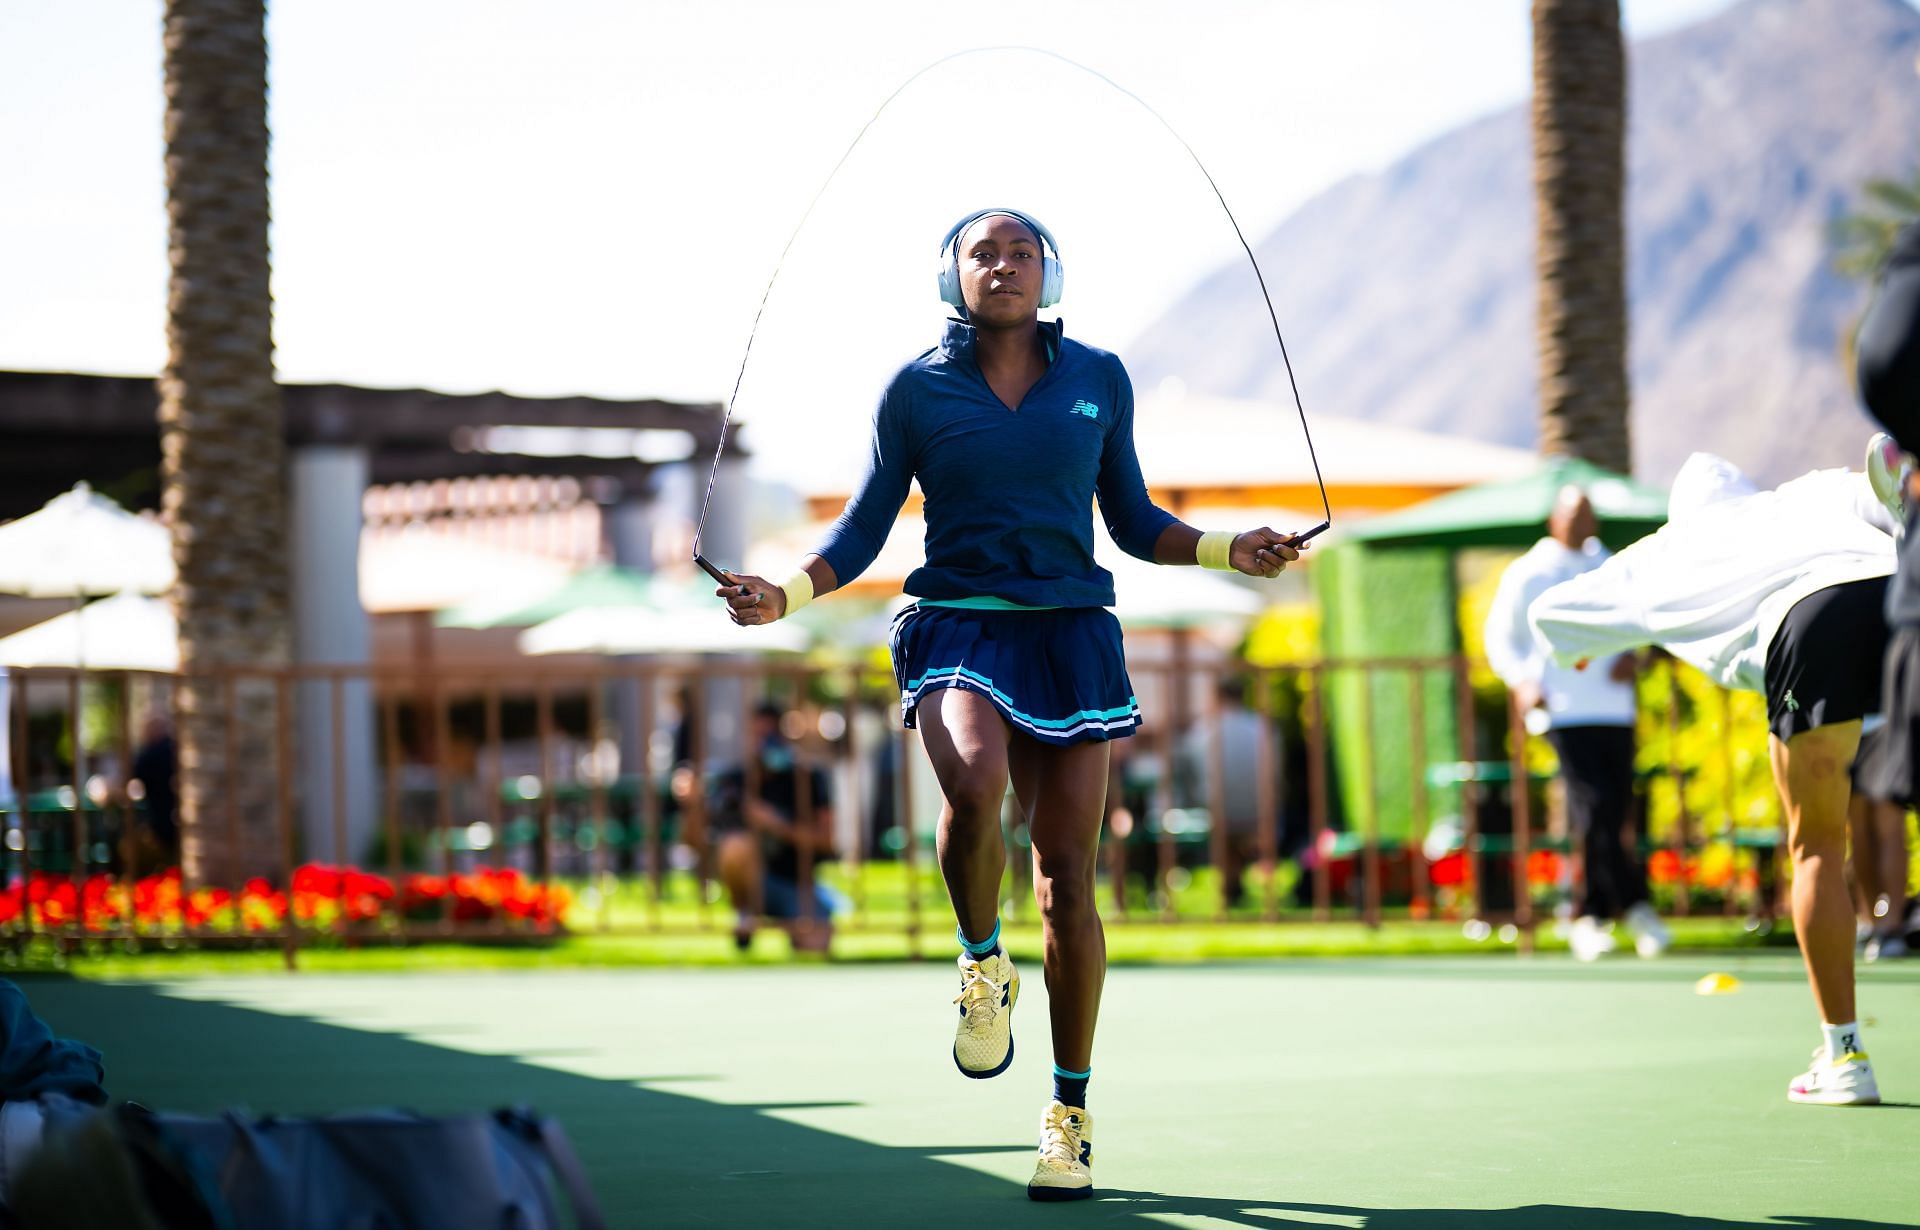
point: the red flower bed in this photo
(319, 897)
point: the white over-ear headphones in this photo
(1052, 274)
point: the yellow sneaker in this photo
(989, 988)
(1064, 1170)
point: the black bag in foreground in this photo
(378, 1170)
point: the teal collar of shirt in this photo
(958, 341)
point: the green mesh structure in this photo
(1391, 603)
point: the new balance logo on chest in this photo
(1085, 407)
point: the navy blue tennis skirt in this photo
(1058, 676)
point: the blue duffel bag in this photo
(374, 1170)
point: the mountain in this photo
(1407, 296)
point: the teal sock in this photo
(1070, 1088)
(984, 948)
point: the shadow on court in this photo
(1265, 1213)
(657, 1157)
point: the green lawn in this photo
(1432, 1094)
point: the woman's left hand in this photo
(1263, 553)
(752, 600)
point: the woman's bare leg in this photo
(1064, 793)
(967, 742)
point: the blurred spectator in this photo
(761, 837)
(1240, 734)
(1887, 350)
(1588, 717)
(1878, 856)
(154, 840)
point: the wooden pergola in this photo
(60, 428)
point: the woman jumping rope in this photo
(1009, 664)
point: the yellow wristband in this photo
(799, 590)
(1214, 549)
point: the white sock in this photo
(1842, 1040)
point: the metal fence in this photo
(1381, 788)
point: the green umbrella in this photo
(1513, 512)
(600, 585)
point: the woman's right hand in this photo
(1263, 552)
(752, 600)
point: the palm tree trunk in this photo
(222, 440)
(1579, 156)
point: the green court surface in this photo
(1425, 1094)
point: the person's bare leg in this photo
(741, 871)
(966, 740)
(1862, 861)
(1890, 824)
(814, 936)
(1810, 770)
(1064, 792)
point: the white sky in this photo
(589, 197)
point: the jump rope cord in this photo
(1273, 316)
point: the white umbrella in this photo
(124, 632)
(83, 543)
(651, 630)
(418, 569)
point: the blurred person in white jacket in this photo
(1779, 592)
(1588, 717)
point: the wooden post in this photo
(1267, 802)
(1217, 835)
(126, 843)
(903, 779)
(283, 814)
(1370, 816)
(854, 857)
(1317, 788)
(1421, 818)
(693, 820)
(803, 809)
(1169, 746)
(597, 865)
(391, 712)
(1729, 802)
(77, 864)
(1682, 902)
(543, 851)
(493, 781)
(230, 762)
(23, 791)
(442, 779)
(650, 799)
(1469, 798)
(337, 723)
(1520, 785)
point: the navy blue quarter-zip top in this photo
(1009, 494)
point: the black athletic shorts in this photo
(1824, 664)
(1888, 773)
